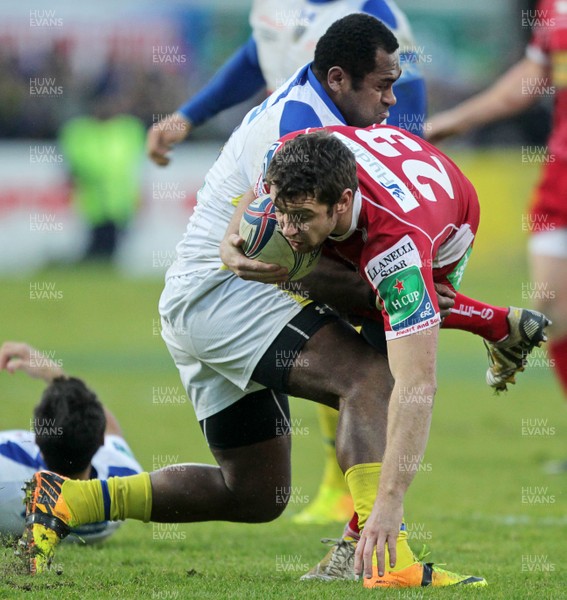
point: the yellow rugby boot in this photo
(420, 575)
(47, 520)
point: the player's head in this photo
(69, 425)
(312, 181)
(357, 63)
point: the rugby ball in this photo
(264, 240)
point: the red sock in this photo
(558, 352)
(488, 321)
(351, 528)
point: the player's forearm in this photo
(409, 420)
(514, 92)
(237, 80)
(228, 252)
(412, 360)
(18, 356)
(40, 366)
(51, 372)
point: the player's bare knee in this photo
(273, 508)
(264, 505)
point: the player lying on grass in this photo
(225, 334)
(72, 434)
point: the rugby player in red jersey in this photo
(542, 71)
(405, 216)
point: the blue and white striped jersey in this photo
(20, 459)
(298, 104)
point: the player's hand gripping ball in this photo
(264, 240)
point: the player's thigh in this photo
(337, 361)
(217, 327)
(251, 442)
(548, 288)
(320, 357)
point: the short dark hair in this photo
(69, 424)
(351, 43)
(312, 165)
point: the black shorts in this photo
(264, 414)
(273, 368)
(373, 332)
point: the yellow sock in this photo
(115, 499)
(333, 476)
(363, 483)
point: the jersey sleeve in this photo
(237, 80)
(115, 458)
(400, 271)
(538, 48)
(381, 10)
(298, 115)
(18, 454)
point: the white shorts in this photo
(549, 243)
(217, 327)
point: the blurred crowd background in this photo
(122, 55)
(64, 60)
(141, 58)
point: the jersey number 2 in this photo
(384, 140)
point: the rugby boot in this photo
(509, 356)
(337, 564)
(47, 520)
(420, 575)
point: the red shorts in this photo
(548, 210)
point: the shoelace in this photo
(340, 557)
(423, 553)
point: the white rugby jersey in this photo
(286, 33)
(298, 104)
(20, 459)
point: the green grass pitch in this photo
(482, 504)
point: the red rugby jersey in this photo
(549, 47)
(414, 217)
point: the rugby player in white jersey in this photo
(72, 433)
(284, 36)
(225, 333)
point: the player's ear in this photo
(345, 201)
(336, 78)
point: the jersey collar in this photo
(356, 207)
(320, 91)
